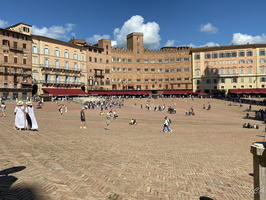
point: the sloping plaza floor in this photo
(206, 155)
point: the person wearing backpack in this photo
(166, 123)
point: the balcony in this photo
(53, 68)
(60, 83)
(15, 48)
(98, 75)
(15, 69)
(12, 88)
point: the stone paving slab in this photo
(206, 155)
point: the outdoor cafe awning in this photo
(177, 92)
(65, 92)
(126, 92)
(248, 91)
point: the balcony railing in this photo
(60, 69)
(53, 82)
(98, 75)
(14, 87)
(15, 48)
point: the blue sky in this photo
(193, 23)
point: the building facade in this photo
(99, 65)
(219, 69)
(15, 62)
(137, 68)
(32, 64)
(58, 64)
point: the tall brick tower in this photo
(135, 42)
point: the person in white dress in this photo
(31, 122)
(19, 116)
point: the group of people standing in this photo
(108, 117)
(25, 117)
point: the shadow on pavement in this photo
(16, 193)
(205, 198)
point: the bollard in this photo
(258, 149)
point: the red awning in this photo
(235, 91)
(128, 92)
(177, 92)
(248, 91)
(262, 90)
(65, 92)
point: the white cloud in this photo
(55, 32)
(191, 45)
(211, 44)
(239, 38)
(95, 38)
(113, 43)
(208, 44)
(136, 24)
(208, 28)
(3, 24)
(170, 43)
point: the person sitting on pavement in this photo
(133, 122)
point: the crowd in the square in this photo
(25, 117)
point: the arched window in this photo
(57, 64)
(34, 49)
(107, 82)
(75, 56)
(75, 66)
(56, 53)
(46, 62)
(66, 65)
(66, 54)
(46, 51)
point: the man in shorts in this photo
(82, 118)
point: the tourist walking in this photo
(19, 116)
(60, 109)
(31, 122)
(166, 123)
(191, 111)
(82, 118)
(108, 120)
(115, 114)
(3, 109)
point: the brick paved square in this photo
(206, 155)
